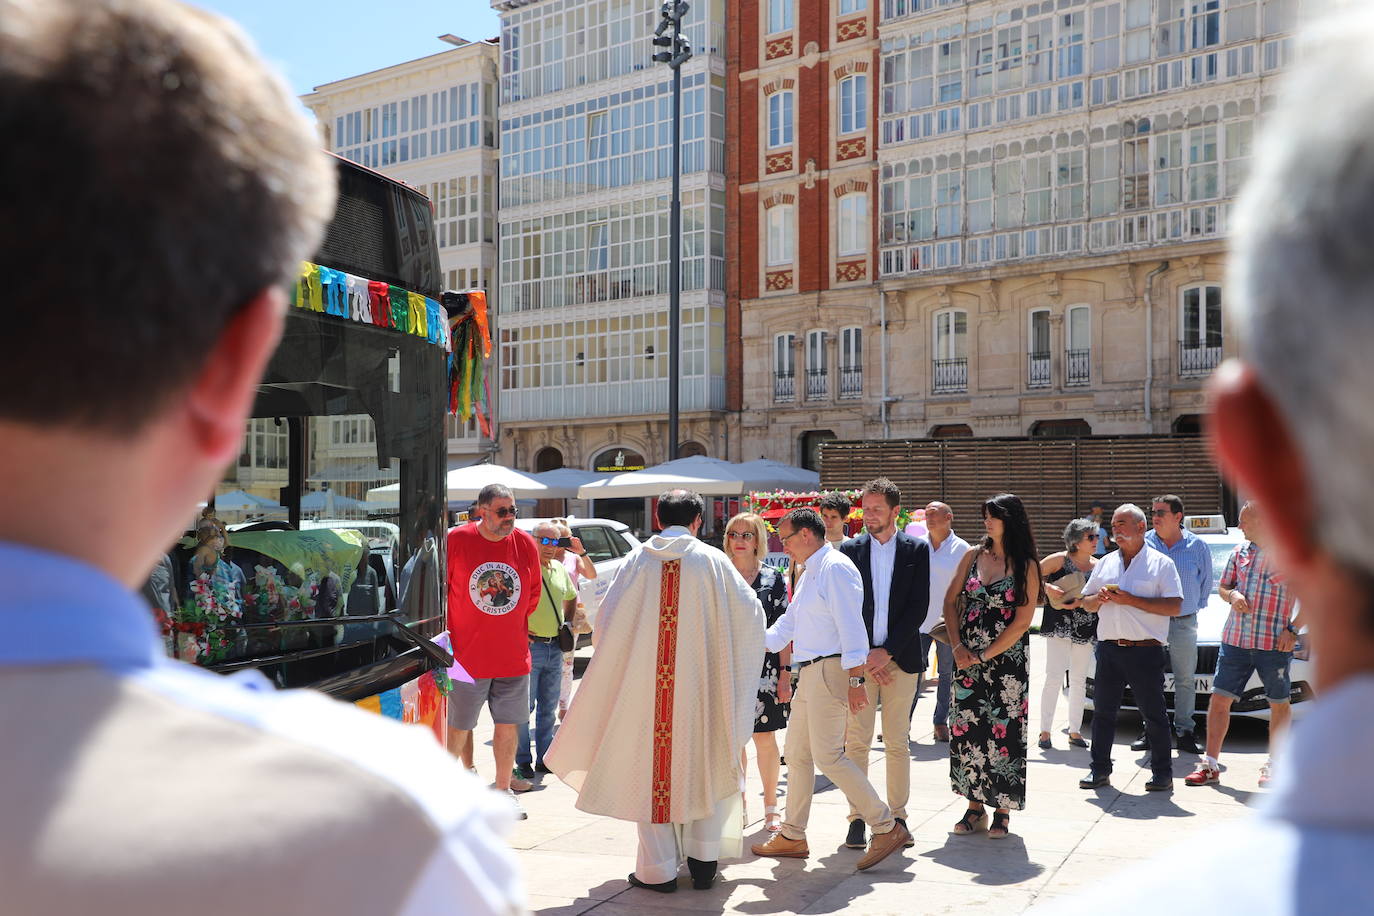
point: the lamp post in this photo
(676, 52)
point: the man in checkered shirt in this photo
(1259, 637)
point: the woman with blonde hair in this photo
(746, 544)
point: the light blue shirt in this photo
(57, 611)
(1193, 560)
(1307, 851)
(825, 615)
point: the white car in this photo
(1221, 541)
(609, 543)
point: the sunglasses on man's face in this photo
(555, 542)
(505, 512)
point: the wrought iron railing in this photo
(1077, 367)
(851, 382)
(816, 384)
(1196, 359)
(1038, 371)
(784, 387)
(950, 375)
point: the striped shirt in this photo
(1250, 572)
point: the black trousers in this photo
(1142, 668)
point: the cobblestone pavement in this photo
(1066, 839)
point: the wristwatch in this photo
(1289, 628)
(856, 681)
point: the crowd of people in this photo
(844, 632)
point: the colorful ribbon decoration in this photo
(470, 346)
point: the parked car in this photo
(608, 542)
(1221, 541)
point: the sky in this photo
(319, 41)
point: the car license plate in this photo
(1201, 684)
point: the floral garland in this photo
(761, 502)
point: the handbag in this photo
(1072, 586)
(566, 640)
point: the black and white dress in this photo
(770, 714)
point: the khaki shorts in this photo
(508, 697)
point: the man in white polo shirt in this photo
(824, 622)
(1135, 591)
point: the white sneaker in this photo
(520, 813)
(1266, 775)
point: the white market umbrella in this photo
(563, 483)
(466, 482)
(767, 474)
(319, 501)
(707, 476)
(240, 501)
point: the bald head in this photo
(939, 519)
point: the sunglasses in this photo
(555, 542)
(504, 512)
(1159, 512)
(741, 535)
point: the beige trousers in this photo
(895, 700)
(815, 739)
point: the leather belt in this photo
(1136, 642)
(812, 661)
(543, 639)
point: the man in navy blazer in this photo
(896, 576)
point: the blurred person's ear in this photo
(1256, 451)
(222, 392)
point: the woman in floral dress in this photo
(746, 543)
(989, 605)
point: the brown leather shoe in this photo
(780, 847)
(883, 845)
(942, 733)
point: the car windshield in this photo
(1221, 552)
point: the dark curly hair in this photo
(1017, 541)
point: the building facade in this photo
(432, 124)
(803, 172)
(586, 160)
(1054, 183)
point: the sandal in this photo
(974, 819)
(1077, 741)
(999, 829)
(772, 820)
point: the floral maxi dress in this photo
(987, 717)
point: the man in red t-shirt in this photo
(493, 587)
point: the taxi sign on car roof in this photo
(1205, 524)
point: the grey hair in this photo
(1300, 259)
(1076, 530)
(1133, 511)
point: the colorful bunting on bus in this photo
(334, 292)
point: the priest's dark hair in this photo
(158, 179)
(680, 507)
(806, 517)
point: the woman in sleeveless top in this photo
(1070, 632)
(990, 605)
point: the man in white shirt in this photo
(824, 622)
(1134, 591)
(946, 550)
(896, 574)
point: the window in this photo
(1168, 169)
(784, 368)
(1106, 46)
(978, 190)
(1200, 331)
(780, 232)
(949, 71)
(1104, 194)
(1240, 139)
(1068, 183)
(779, 16)
(854, 227)
(1070, 46)
(780, 119)
(1038, 375)
(853, 104)
(951, 352)
(597, 254)
(852, 6)
(816, 365)
(1078, 346)
(851, 363)
(1203, 174)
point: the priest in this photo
(655, 729)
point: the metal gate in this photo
(1057, 479)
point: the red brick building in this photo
(801, 172)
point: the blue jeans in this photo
(1183, 659)
(944, 656)
(546, 677)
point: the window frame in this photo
(780, 240)
(852, 100)
(852, 228)
(782, 121)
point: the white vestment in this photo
(655, 729)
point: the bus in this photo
(329, 608)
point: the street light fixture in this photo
(677, 50)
